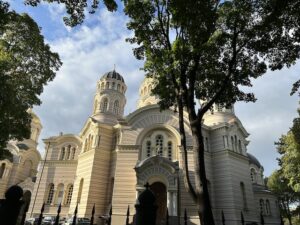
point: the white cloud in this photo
(91, 50)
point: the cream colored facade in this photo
(22, 167)
(113, 157)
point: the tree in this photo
(289, 148)
(26, 65)
(278, 184)
(208, 50)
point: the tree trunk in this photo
(204, 200)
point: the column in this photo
(174, 203)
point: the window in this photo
(232, 143)
(69, 194)
(91, 137)
(2, 170)
(113, 85)
(170, 150)
(62, 154)
(240, 147)
(73, 153)
(80, 190)
(85, 145)
(107, 85)
(243, 192)
(102, 86)
(268, 208)
(149, 89)
(50, 193)
(235, 143)
(118, 87)
(148, 148)
(122, 89)
(60, 194)
(262, 206)
(207, 144)
(99, 139)
(224, 145)
(116, 107)
(253, 175)
(104, 104)
(159, 145)
(68, 152)
(219, 108)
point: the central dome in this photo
(113, 75)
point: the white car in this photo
(79, 221)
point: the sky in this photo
(93, 48)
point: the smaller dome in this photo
(253, 160)
(113, 75)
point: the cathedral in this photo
(108, 163)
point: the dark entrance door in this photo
(160, 192)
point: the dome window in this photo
(116, 107)
(104, 105)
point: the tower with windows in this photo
(109, 100)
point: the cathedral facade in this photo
(108, 163)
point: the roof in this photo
(254, 160)
(114, 75)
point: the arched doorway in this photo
(160, 192)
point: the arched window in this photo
(262, 206)
(50, 193)
(73, 153)
(80, 190)
(27, 168)
(253, 175)
(2, 169)
(170, 147)
(207, 144)
(62, 154)
(85, 145)
(118, 87)
(104, 105)
(232, 143)
(122, 89)
(116, 107)
(69, 194)
(60, 194)
(243, 192)
(268, 208)
(107, 85)
(235, 143)
(113, 85)
(149, 89)
(68, 152)
(91, 141)
(240, 147)
(159, 143)
(148, 148)
(102, 86)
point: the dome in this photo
(253, 160)
(113, 75)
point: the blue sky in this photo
(90, 50)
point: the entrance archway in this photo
(160, 192)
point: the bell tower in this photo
(109, 100)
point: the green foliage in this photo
(289, 148)
(26, 65)
(279, 185)
(76, 9)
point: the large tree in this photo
(26, 65)
(278, 184)
(208, 50)
(289, 149)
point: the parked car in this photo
(79, 221)
(32, 221)
(48, 220)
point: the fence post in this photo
(223, 218)
(200, 217)
(185, 217)
(109, 216)
(242, 218)
(127, 216)
(57, 216)
(75, 215)
(41, 215)
(262, 221)
(167, 217)
(92, 217)
(281, 220)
